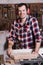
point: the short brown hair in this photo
(21, 4)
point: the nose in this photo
(21, 12)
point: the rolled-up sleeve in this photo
(12, 34)
(36, 30)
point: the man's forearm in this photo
(10, 44)
(37, 47)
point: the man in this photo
(22, 29)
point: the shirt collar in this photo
(24, 22)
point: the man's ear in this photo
(28, 11)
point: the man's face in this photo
(22, 11)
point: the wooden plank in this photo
(2, 59)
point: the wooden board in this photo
(2, 59)
(23, 54)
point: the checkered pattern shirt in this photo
(24, 32)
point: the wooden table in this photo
(39, 60)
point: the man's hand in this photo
(10, 44)
(10, 54)
(35, 52)
(9, 50)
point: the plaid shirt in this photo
(24, 32)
